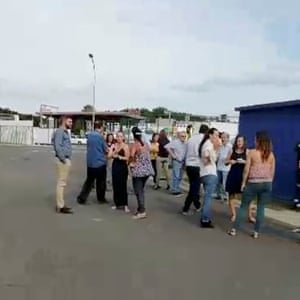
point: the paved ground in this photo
(101, 254)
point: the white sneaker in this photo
(138, 216)
(255, 235)
(126, 209)
(232, 232)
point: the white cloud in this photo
(142, 50)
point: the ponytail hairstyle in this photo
(207, 135)
(137, 135)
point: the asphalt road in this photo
(98, 253)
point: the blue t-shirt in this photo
(96, 150)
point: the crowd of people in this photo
(214, 168)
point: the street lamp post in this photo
(91, 56)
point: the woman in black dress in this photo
(119, 152)
(237, 159)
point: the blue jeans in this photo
(222, 178)
(260, 190)
(176, 175)
(209, 186)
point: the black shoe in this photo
(103, 201)
(157, 187)
(207, 224)
(80, 201)
(64, 210)
(168, 187)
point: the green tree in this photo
(5, 110)
(88, 108)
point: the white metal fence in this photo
(25, 135)
(17, 135)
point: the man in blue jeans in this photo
(177, 150)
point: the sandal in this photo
(232, 232)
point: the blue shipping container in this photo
(282, 122)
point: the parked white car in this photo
(77, 140)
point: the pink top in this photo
(260, 172)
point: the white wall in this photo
(16, 123)
(42, 135)
(17, 135)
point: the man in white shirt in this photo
(222, 167)
(192, 163)
(177, 151)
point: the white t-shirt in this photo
(211, 168)
(192, 153)
(223, 155)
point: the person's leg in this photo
(165, 166)
(123, 187)
(193, 174)
(251, 213)
(209, 184)
(189, 197)
(109, 171)
(263, 197)
(223, 186)
(247, 196)
(62, 170)
(138, 186)
(196, 188)
(116, 184)
(87, 186)
(158, 171)
(176, 173)
(153, 162)
(219, 184)
(101, 183)
(232, 209)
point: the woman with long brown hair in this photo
(257, 181)
(237, 160)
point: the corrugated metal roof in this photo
(269, 105)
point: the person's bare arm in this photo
(132, 153)
(111, 152)
(229, 161)
(273, 163)
(170, 150)
(172, 153)
(246, 169)
(206, 157)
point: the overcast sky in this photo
(201, 56)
